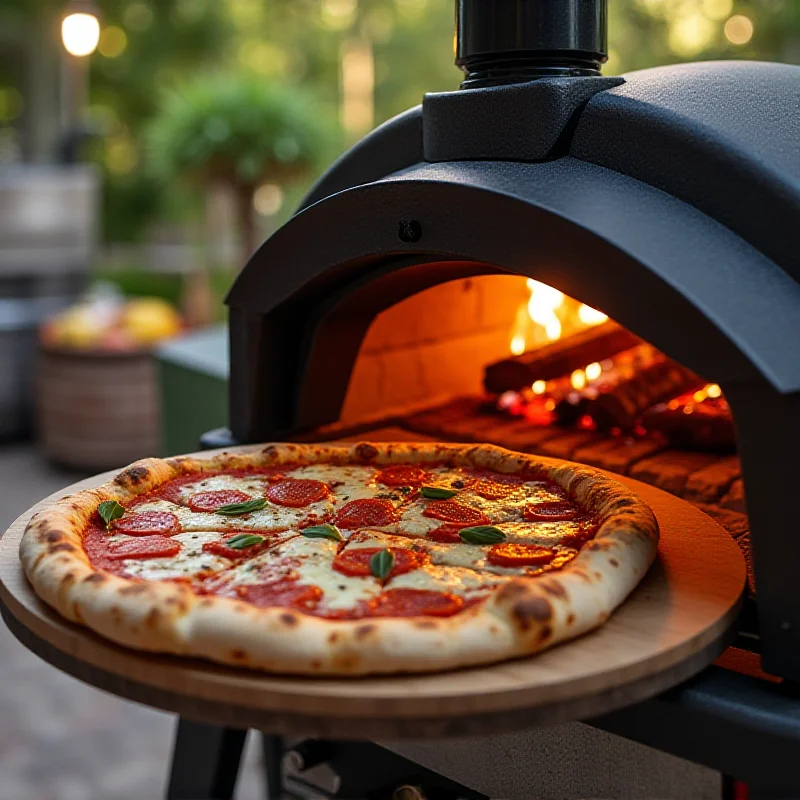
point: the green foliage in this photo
(238, 128)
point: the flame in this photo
(713, 390)
(591, 316)
(517, 345)
(539, 387)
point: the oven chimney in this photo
(512, 41)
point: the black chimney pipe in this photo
(511, 41)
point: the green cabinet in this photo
(193, 385)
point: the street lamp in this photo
(80, 33)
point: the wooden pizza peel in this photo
(675, 623)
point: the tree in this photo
(240, 130)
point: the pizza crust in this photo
(522, 617)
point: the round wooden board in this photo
(676, 622)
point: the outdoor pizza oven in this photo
(667, 199)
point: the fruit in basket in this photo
(74, 328)
(149, 319)
(103, 320)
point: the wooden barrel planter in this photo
(97, 409)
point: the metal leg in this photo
(273, 749)
(205, 761)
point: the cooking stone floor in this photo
(59, 738)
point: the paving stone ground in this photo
(59, 738)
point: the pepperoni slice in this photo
(296, 492)
(222, 549)
(285, 594)
(550, 511)
(365, 513)
(455, 514)
(520, 555)
(355, 561)
(211, 501)
(147, 523)
(401, 475)
(447, 534)
(151, 547)
(415, 603)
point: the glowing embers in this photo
(699, 420)
(637, 392)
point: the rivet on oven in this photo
(409, 230)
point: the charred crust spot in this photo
(116, 614)
(64, 547)
(425, 625)
(534, 609)
(493, 629)
(68, 577)
(133, 476)
(570, 619)
(598, 545)
(613, 562)
(333, 637)
(152, 618)
(598, 575)
(97, 577)
(289, 619)
(53, 537)
(366, 452)
(238, 655)
(205, 603)
(363, 631)
(270, 450)
(545, 633)
(134, 589)
(316, 664)
(553, 588)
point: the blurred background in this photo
(146, 148)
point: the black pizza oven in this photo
(668, 198)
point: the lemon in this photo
(149, 319)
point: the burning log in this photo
(697, 421)
(622, 404)
(558, 358)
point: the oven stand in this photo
(737, 724)
(206, 759)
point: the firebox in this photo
(664, 200)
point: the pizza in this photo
(344, 560)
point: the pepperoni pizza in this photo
(344, 560)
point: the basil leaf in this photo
(381, 563)
(237, 509)
(109, 511)
(435, 493)
(323, 532)
(244, 540)
(482, 534)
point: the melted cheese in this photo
(310, 561)
(253, 485)
(448, 579)
(270, 518)
(188, 562)
(546, 534)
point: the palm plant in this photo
(239, 130)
